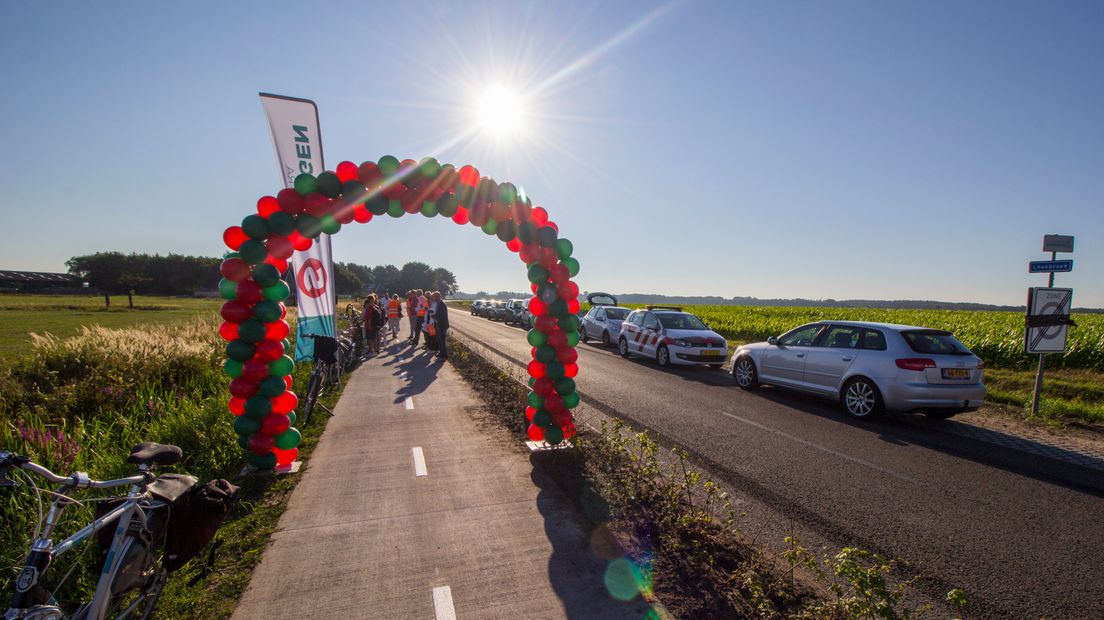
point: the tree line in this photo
(177, 274)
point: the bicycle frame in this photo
(28, 593)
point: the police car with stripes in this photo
(671, 336)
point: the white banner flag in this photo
(297, 138)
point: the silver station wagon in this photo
(868, 367)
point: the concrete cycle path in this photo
(408, 510)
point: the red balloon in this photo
(557, 339)
(228, 331)
(346, 171)
(267, 205)
(316, 204)
(288, 381)
(254, 369)
(548, 257)
(236, 406)
(569, 430)
(275, 423)
(573, 306)
(280, 264)
(544, 386)
(461, 216)
(285, 457)
(533, 287)
(514, 245)
(361, 214)
(411, 201)
(480, 214)
(234, 237)
(568, 291)
(290, 201)
(553, 402)
(539, 216)
(519, 211)
(243, 388)
(280, 247)
(544, 324)
(299, 242)
(536, 369)
(529, 411)
(559, 273)
(568, 355)
(249, 292)
(571, 370)
(277, 330)
(269, 350)
(261, 444)
(561, 418)
(343, 212)
(553, 226)
(536, 306)
(528, 253)
(469, 175)
(500, 212)
(285, 402)
(394, 190)
(369, 174)
(535, 433)
(235, 311)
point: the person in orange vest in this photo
(411, 315)
(421, 304)
(394, 313)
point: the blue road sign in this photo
(1050, 266)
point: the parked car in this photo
(517, 312)
(486, 309)
(671, 336)
(868, 367)
(476, 305)
(603, 320)
(497, 311)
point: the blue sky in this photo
(772, 149)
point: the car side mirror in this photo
(772, 340)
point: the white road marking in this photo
(442, 603)
(409, 402)
(419, 462)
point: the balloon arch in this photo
(255, 329)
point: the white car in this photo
(671, 336)
(603, 320)
(868, 367)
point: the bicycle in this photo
(132, 564)
(326, 353)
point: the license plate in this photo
(709, 353)
(956, 373)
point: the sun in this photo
(500, 112)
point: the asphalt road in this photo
(1019, 532)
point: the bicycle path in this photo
(408, 510)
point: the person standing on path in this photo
(421, 304)
(394, 313)
(410, 314)
(373, 320)
(440, 317)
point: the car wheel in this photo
(623, 348)
(663, 356)
(605, 339)
(862, 400)
(744, 374)
(582, 334)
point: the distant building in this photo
(29, 281)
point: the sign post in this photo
(1048, 309)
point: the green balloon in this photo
(251, 330)
(559, 308)
(243, 441)
(490, 227)
(377, 204)
(527, 232)
(281, 223)
(571, 400)
(278, 292)
(546, 354)
(281, 367)
(554, 370)
(394, 208)
(308, 225)
(353, 192)
(288, 439)
(532, 382)
(263, 461)
(572, 266)
(329, 185)
(257, 407)
(246, 426)
(564, 386)
(572, 338)
(330, 225)
(239, 350)
(536, 338)
(256, 227)
(537, 274)
(546, 237)
(569, 323)
(305, 184)
(448, 205)
(286, 343)
(535, 400)
(228, 289)
(429, 209)
(253, 252)
(388, 165)
(553, 435)
(272, 386)
(232, 368)
(266, 275)
(564, 248)
(429, 167)
(292, 417)
(542, 418)
(507, 192)
(267, 311)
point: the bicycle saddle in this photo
(148, 452)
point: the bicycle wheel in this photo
(313, 387)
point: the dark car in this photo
(517, 312)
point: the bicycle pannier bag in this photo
(325, 349)
(193, 526)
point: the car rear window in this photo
(935, 342)
(873, 341)
(671, 320)
(617, 314)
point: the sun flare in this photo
(500, 112)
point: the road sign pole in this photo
(1042, 356)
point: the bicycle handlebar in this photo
(79, 479)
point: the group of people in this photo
(426, 312)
